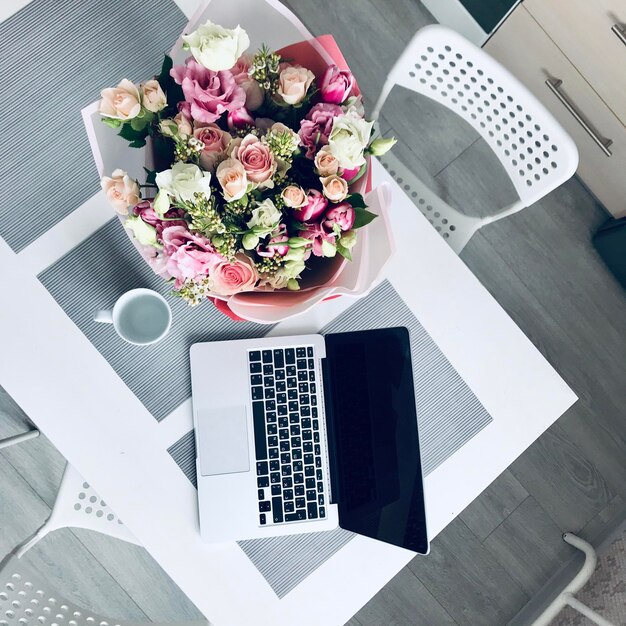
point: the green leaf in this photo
(127, 132)
(298, 242)
(112, 122)
(344, 252)
(138, 143)
(140, 122)
(356, 201)
(150, 176)
(362, 217)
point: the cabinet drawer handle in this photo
(620, 31)
(604, 144)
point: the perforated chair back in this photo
(536, 153)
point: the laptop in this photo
(306, 433)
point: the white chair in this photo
(536, 153)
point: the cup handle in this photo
(104, 316)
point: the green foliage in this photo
(344, 252)
(362, 217)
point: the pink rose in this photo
(208, 94)
(316, 126)
(318, 236)
(215, 142)
(173, 217)
(121, 191)
(336, 85)
(239, 118)
(189, 255)
(254, 92)
(227, 278)
(341, 214)
(293, 83)
(184, 124)
(257, 159)
(315, 206)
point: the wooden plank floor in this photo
(541, 267)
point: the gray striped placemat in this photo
(99, 270)
(449, 415)
(55, 57)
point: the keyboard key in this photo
(317, 449)
(322, 511)
(300, 353)
(262, 519)
(311, 376)
(292, 394)
(275, 490)
(313, 400)
(258, 416)
(257, 393)
(295, 517)
(283, 433)
(302, 375)
(312, 387)
(270, 405)
(291, 383)
(272, 429)
(311, 510)
(308, 459)
(316, 424)
(314, 412)
(294, 430)
(268, 381)
(297, 465)
(293, 405)
(268, 370)
(254, 356)
(304, 398)
(300, 502)
(264, 506)
(290, 355)
(301, 364)
(261, 468)
(285, 457)
(281, 398)
(288, 494)
(307, 434)
(274, 466)
(279, 358)
(285, 470)
(261, 494)
(318, 474)
(272, 441)
(303, 387)
(283, 422)
(299, 490)
(255, 368)
(294, 418)
(311, 496)
(270, 393)
(320, 499)
(282, 409)
(298, 478)
(311, 364)
(291, 370)
(320, 487)
(309, 470)
(307, 446)
(316, 437)
(277, 509)
(318, 462)
(262, 481)
(281, 385)
(285, 446)
(273, 453)
(309, 483)
(309, 351)
(290, 507)
(267, 356)
(306, 422)
(287, 482)
(256, 379)
(296, 454)
(279, 375)
(296, 442)
(305, 411)
(275, 477)
(270, 417)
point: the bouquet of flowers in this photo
(259, 167)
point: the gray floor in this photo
(541, 267)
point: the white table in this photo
(75, 397)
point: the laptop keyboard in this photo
(289, 468)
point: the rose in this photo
(208, 94)
(315, 206)
(256, 158)
(294, 196)
(239, 119)
(254, 92)
(348, 138)
(336, 85)
(121, 191)
(341, 214)
(215, 47)
(181, 182)
(335, 188)
(322, 242)
(230, 277)
(189, 255)
(121, 102)
(232, 177)
(265, 217)
(152, 96)
(317, 125)
(215, 142)
(325, 163)
(173, 217)
(293, 83)
(184, 124)
(277, 245)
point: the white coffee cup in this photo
(140, 316)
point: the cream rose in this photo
(152, 96)
(265, 217)
(348, 138)
(184, 124)
(294, 196)
(325, 162)
(181, 182)
(232, 177)
(335, 188)
(215, 47)
(121, 191)
(230, 277)
(122, 102)
(293, 83)
(257, 159)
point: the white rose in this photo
(143, 233)
(181, 183)
(265, 217)
(293, 84)
(216, 47)
(348, 138)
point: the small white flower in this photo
(348, 138)
(182, 182)
(265, 217)
(216, 47)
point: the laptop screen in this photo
(373, 440)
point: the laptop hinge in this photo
(331, 438)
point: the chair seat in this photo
(456, 228)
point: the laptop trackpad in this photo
(223, 441)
